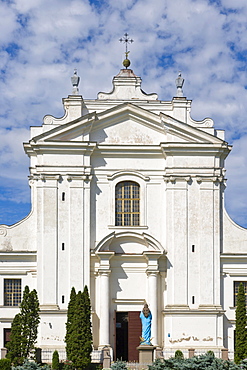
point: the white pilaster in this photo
(47, 188)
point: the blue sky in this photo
(41, 42)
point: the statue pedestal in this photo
(146, 354)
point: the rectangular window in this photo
(127, 203)
(236, 286)
(12, 292)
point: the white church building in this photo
(127, 198)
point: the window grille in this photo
(236, 286)
(127, 204)
(12, 292)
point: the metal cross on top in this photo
(126, 40)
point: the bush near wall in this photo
(5, 364)
(203, 362)
(119, 365)
(179, 354)
(31, 365)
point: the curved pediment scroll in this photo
(128, 242)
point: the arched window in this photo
(127, 204)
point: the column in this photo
(104, 339)
(104, 296)
(152, 289)
(152, 273)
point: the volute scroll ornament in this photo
(48, 120)
(3, 231)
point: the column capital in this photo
(104, 272)
(105, 255)
(152, 261)
(104, 260)
(152, 272)
(152, 256)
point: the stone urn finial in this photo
(75, 83)
(179, 84)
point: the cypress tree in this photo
(14, 346)
(55, 361)
(24, 328)
(30, 320)
(70, 322)
(77, 353)
(241, 321)
(87, 328)
(79, 334)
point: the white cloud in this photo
(8, 23)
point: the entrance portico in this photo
(128, 272)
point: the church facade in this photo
(128, 199)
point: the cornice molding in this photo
(201, 310)
(44, 177)
(175, 178)
(215, 179)
(85, 177)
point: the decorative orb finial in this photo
(75, 83)
(126, 40)
(126, 62)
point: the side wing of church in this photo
(128, 199)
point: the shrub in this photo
(203, 362)
(31, 365)
(67, 365)
(119, 365)
(179, 354)
(55, 360)
(5, 364)
(243, 365)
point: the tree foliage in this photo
(24, 328)
(241, 321)
(78, 329)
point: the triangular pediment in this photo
(127, 124)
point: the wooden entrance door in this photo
(134, 333)
(128, 332)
